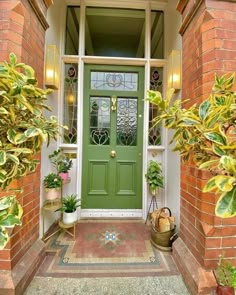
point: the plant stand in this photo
(66, 228)
(52, 206)
(152, 204)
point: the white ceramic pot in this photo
(69, 218)
(52, 194)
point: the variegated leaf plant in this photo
(207, 132)
(10, 215)
(24, 127)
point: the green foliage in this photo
(10, 215)
(24, 128)
(60, 161)
(225, 273)
(154, 175)
(207, 134)
(52, 180)
(70, 203)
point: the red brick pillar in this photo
(22, 31)
(209, 46)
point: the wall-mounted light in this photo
(52, 67)
(174, 70)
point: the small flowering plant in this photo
(52, 180)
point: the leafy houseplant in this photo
(154, 176)
(69, 207)
(10, 215)
(24, 129)
(206, 133)
(70, 203)
(60, 161)
(225, 275)
(52, 180)
(52, 183)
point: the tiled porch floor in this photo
(107, 257)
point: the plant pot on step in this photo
(69, 218)
(224, 290)
(64, 176)
(52, 194)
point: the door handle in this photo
(113, 154)
(113, 103)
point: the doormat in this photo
(106, 248)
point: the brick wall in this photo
(209, 47)
(22, 32)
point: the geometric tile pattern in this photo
(106, 248)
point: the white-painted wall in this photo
(52, 37)
(173, 42)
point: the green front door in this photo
(112, 137)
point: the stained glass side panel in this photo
(99, 116)
(70, 103)
(126, 122)
(114, 81)
(154, 134)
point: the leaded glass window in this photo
(99, 120)
(70, 103)
(154, 134)
(126, 123)
(114, 81)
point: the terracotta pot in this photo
(69, 218)
(64, 176)
(52, 194)
(224, 290)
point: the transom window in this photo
(111, 32)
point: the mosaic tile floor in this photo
(106, 249)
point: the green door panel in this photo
(112, 137)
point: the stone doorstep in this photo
(15, 281)
(197, 279)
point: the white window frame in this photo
(158, 152)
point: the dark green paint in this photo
(112, 183)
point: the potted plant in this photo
(52, 183)
(10, 215)
(205, 134)
(154, 176)
(225, 275)
(62, 163)
(70, 203)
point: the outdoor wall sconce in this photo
(51, 67)
(174, 70)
